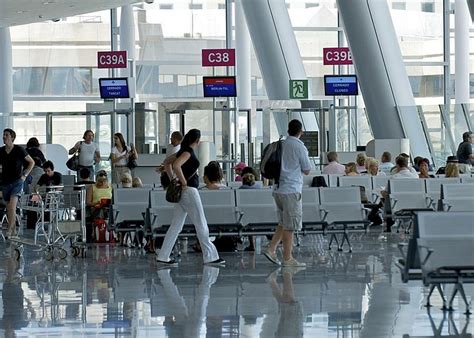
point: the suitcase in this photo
(102, 234)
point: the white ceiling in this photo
(20, 12)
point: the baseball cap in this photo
(240, 166)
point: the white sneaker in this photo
(293, 263)
(272, 257)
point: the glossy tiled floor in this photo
(120, 292)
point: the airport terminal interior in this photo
(383, 87)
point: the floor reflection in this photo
(120, 292)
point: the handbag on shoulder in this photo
(73, 162)
(173, 191)
(132, 161)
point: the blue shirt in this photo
(294, 160)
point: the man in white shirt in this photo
(175, 145)
(171, 149)
(403, 171)
(395, 170)
(288, 194)
(386, 163)
(334, 167)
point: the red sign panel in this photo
(218, 57)
(337, 56)
(115, 59)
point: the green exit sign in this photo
(298, 89)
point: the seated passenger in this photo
(238, 171)
(402, 170)
(137, 182)
(98, 197)
(50, 177)
(452, 170)
(373, 167)
(351, 169)
(360, 160)
(126, 180)
(449, 159)
(334, 167)
(251, 181)
(248, 182)
(213, 176)
(386, 164)
(396, 169)
(424, 167)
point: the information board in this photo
(311, 141)
(114, 88)
(335, 85)
(219, 86)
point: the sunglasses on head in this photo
(103, 174)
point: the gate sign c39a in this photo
(218, 57)
(113, 59)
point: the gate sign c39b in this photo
(114, 59)
(337, 56)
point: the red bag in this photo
(102, 234)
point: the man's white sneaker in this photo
(293, 263)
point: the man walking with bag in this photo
(288, 194)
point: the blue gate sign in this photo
(114, 88)
(335, 85)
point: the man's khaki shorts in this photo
(289, 210)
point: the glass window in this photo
(220, 6)
(428, 7)
(311, 4)
(195, 6)
(166, 6)
(399, 5)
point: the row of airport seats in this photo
(336, 211)
(440, 251)
(228, 209)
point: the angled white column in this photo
(6, 82)
(275, 45)
(381, 71)
(471, 8)
(461, 89)
(243, 64)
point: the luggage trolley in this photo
(72, 219)
(57, 208)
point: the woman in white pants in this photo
(184, 165)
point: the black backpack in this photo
(270, 166)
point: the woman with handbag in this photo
(120, 157)
(182, 170)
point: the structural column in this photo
(6, 82)
(127, 42)
(461, 38)
(382, 74)
(471, 8)
(243, 66)
(275, 45)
